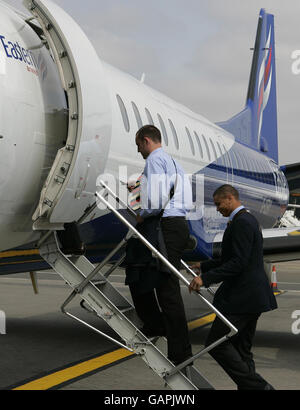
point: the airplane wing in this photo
(282, 244)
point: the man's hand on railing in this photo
(196, 284)
(196, 268)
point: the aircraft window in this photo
(174, 134)
(221, 153)
(238, 161)
(267, 166)
(124, 113)
(149, 116)
(199, 144)
(163, 128)
(234, 160)
(137, 115)
(248, 163)
(213, 147)
(207, 147)
(226, 157)
(263, 174)
(257, 167)
(243, 162)
(224, 148)
(218, 145)
(267, 172)
(261, 166)
(248, 166)
(191, 141)
(254, 166)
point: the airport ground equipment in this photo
(100, 296)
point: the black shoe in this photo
(268, 387)
(187, 371)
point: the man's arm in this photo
(211, 264)
(154, 189)
(196, 284)
(198, 268)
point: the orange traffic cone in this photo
(274, 280)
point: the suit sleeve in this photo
(242, 243)
(210, 264)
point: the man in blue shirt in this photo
(161, 174)
(166, 195)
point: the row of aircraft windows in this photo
(150, 121)
(217, 152)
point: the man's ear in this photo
(230, 198)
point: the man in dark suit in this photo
(245, 291)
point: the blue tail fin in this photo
(256, 125)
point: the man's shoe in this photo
(268, 387)
(187, 371)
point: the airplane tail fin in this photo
(256, 125)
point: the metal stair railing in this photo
(133, 230)
(105, 304)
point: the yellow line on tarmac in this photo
(205, 320)
(59, 377)
(20, 262)
(27, 252)
(294, 233)
(81, 369)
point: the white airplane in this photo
(68, 117)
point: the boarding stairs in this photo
(99, 296)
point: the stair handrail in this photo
(233, 329)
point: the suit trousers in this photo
(234, 355)
(162, 310)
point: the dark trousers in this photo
(164, 309)
(234, 355)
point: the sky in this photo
(198, 52)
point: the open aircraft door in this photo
(71, 183)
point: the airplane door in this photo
(71, 183)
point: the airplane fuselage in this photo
(34, 127)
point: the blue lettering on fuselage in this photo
(15, 51)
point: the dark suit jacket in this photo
(245, 287)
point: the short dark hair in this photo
(226, 190)
(149, 131)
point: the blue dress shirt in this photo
(162, 173)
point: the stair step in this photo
(109, 304)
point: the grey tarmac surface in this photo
(39, 339)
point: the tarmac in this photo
(42, 349)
